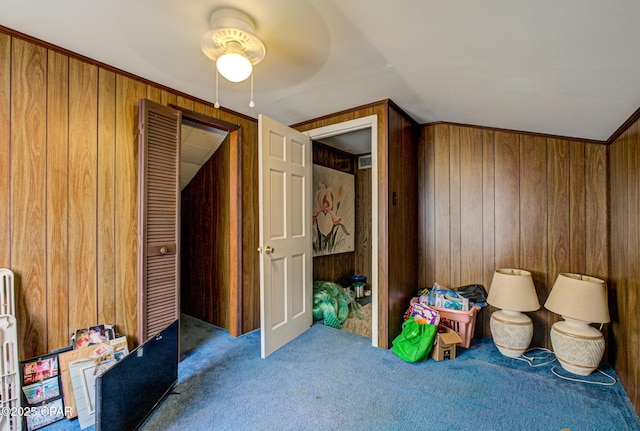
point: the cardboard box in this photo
(445, 344)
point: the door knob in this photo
(267, 250)
(164, 250)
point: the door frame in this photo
(235, 212)
(361, 123)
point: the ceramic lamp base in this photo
(511, 332)
(578, 346)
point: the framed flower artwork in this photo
(333, 216)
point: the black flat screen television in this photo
(129, 391)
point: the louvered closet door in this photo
(158, 218)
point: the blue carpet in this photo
(328, 379)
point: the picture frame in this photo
(120, 348)
(92, 335)
(83, 378)
(43, 415)
(44, 390)
(41, 391)
(333, 215)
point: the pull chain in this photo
(251, 104)
(217, 104)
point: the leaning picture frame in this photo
(85, 371)
(41, 391)
(45, 414)
(83, 378)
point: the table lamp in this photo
(580, 300)
(513, 291)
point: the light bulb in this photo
(234, 67)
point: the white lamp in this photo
(234, 66)
(580, 300)
(513, 291)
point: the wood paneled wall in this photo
(494, 199)
(68, 187)
(403, 221)
(205, 219)
(624, 284)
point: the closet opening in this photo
(210, 212)
(351, 147)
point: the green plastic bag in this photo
(415, 341)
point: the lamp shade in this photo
(513, 289)
(579, 297)
(234, 66)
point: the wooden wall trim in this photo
(330, 118)
(235, 235)
(624, 126)
(519, 132)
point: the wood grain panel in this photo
(559, 217)
(426, 212)
(83, 102)
(442, 205)
(251, 264)
(128, 94)
(624, 192)
(533, 212)
(596, 213)
(168, 98)
(235, 264)
(5, 153)
(363, 256)
(106, 264)
(28, 193)
(471, 206)
(383, 224)
(577, 221)
(507, 200)
(154, 94)
(633, 261)
(185, 103)
(403, 220)
(454, 207)
(618, 287)
(57, 200)
(488, 222)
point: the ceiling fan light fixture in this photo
(232, 44)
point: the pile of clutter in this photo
(62, 384)
(437, 321)
(333, 304)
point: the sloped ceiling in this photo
(567, 67)
(199, 142)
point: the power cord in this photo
(573, 379)
(530, 360)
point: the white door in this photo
(286, 272)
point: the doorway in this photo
(359, 137)
(210, 217)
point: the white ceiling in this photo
(564, 67)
